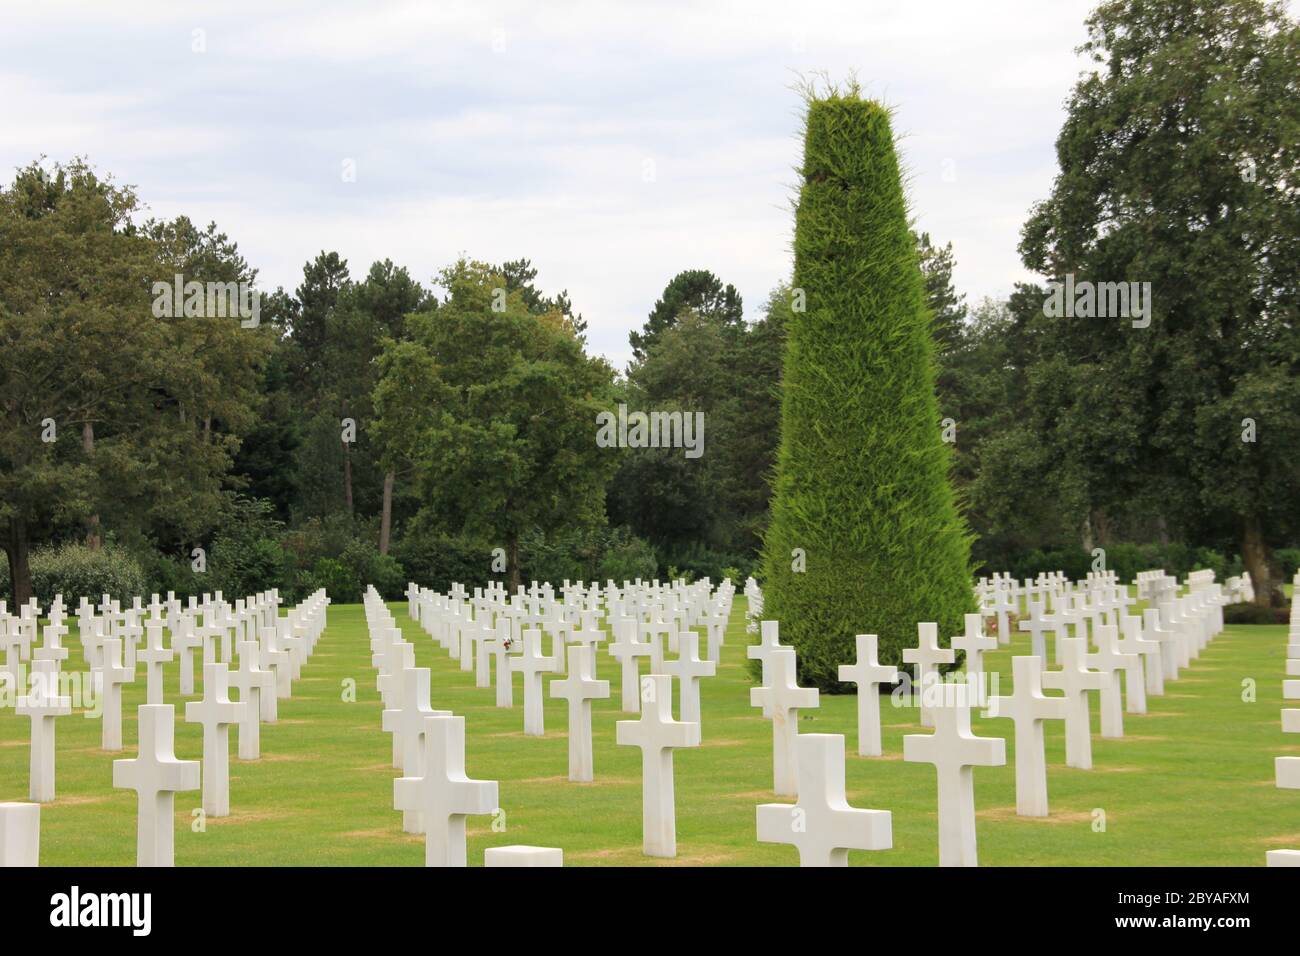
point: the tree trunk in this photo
(1258, 559)
(386, 519)
(512, 565)
(92, 523)
(1087, 532)
(1100, 528)
(347, 476)
(20, 571)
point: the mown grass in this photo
(1191, 785)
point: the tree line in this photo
(372, 427)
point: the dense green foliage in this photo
(861, 492)
(1178, 161)
(375, 429)
(75, 570)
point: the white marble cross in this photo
(1169, 639)
(769, 639)
(657, 734)
(1003, 602)
(927, 656)
(561, 632)
(256, 689)
(20, 834)
(821, 825)
(627, 649)
(113, 675)
(717, 635)
(216, 712)
(42, 704)
(483, 635)
(156, 776)
(154, 656)
(1028, 707)
(501, 656)
(52, 649)
(1075, 680)
(580, 688)
(1035, 623)
(781, 700)
(128, 634)
(955, 752)
(688, 668)
(590, 636)
(392, 688)
(868, 673)
(533, 664)
(185, 642)
(294, 640)
(1111, 663)
(974, 644)
(407, 725)
(1148, 675)
(280, 662)
(442, 794)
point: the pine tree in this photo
(865, 534)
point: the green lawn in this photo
(1192, 784)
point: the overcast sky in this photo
(614, 144)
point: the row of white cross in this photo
(492, 635)
(271, 653)
(1092, 660)
(433, 794)
(1287, 769)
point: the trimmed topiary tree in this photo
(861, 499)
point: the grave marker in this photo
(781, 700)
(533, 664)
(927, 656)
(821, 825)
(1027, 708)
(156, 776)
(657, 734)
(580, 688)
(1075, 680)
(955, 752)
(42, 704)
(868, 673)
(443, 795)
(216, 712)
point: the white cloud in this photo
(522, 129)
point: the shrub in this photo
(1289, 559)
(246, 556)
(164, 574)
(1255, 614)
(862, 472)
(436, 561)
(627, 558)
(338, 580)
(368, 566)
(698, 561)
(76, 571)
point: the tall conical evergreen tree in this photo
(861, 485)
